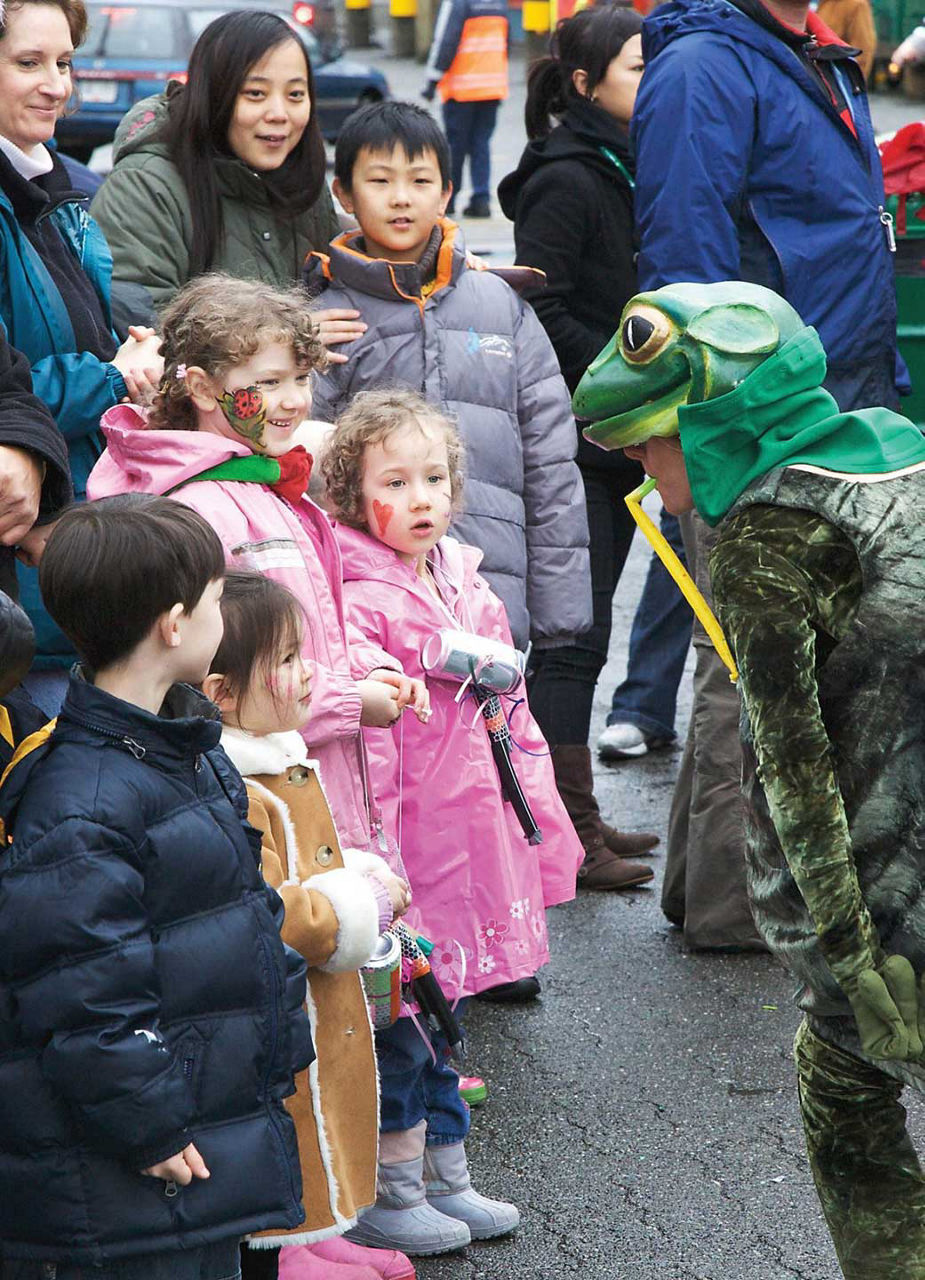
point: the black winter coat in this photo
(147, 1000)
(572, 210)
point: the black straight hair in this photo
(261, 617)
(112, 568)
(382, 126)
(199, 117)
(587, 41)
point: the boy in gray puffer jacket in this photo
(464, 339)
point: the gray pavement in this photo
(642, 1114)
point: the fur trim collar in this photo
(272, 753)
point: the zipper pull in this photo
(887, 220)
(136, 748)
(380, 836)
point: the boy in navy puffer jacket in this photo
(150, 1017)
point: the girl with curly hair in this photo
(222, 438)
(393, 468)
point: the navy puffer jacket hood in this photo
(146, 999)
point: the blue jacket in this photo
(146, 999)
(745, 171)
(77, 387)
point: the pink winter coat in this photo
(293, 545)
(479, 888)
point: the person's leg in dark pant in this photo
(563, 683)
(457, 123)
(867, 1174)
(484, 116)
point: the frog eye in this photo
(645, 331)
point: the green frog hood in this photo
(732, 369)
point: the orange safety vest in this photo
(478, 73)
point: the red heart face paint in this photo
(245, 412)
(383, 512)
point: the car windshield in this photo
(148, 32)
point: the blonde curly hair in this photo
(371, 418)
(218, 322)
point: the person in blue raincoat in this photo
(756, 161)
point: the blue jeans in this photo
(412, 1087)
(469, 126)
(219, 1261)
(659, 642)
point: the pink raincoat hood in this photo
(141, 461)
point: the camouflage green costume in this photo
(819, 582)
(788, 570)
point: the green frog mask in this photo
(678, 345)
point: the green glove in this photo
(885, 1002)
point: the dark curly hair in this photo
(372, 417)
(217, 322)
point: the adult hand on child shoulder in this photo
(336, 325)
(181, 1168)
(412, 691)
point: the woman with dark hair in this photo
(55, 273)
(571, 200)
(225, 172)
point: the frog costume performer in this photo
(819, 583)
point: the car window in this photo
(123, 31)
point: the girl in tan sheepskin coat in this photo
(337, 904)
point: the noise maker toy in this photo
(684, 580)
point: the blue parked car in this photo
(132, 50)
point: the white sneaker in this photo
(621, 742)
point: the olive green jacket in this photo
(144, 212)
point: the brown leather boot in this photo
(629, 844)
(603, 868)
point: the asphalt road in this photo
(642, 1113)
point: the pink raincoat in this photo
(480, 890)
(294, 546)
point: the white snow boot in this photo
(446, 1178)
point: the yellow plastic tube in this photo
(684, 580)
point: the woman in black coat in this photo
(571, 200)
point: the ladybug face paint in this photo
(245, 412)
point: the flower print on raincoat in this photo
(462, 846)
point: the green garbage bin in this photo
(909, 264)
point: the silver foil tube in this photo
(457, 655)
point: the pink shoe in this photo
(387, 1263)
(303, 1262)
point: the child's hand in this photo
(338, 325)
(412, 692)
(181, 1168)
(380, 704)
(399, 891)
